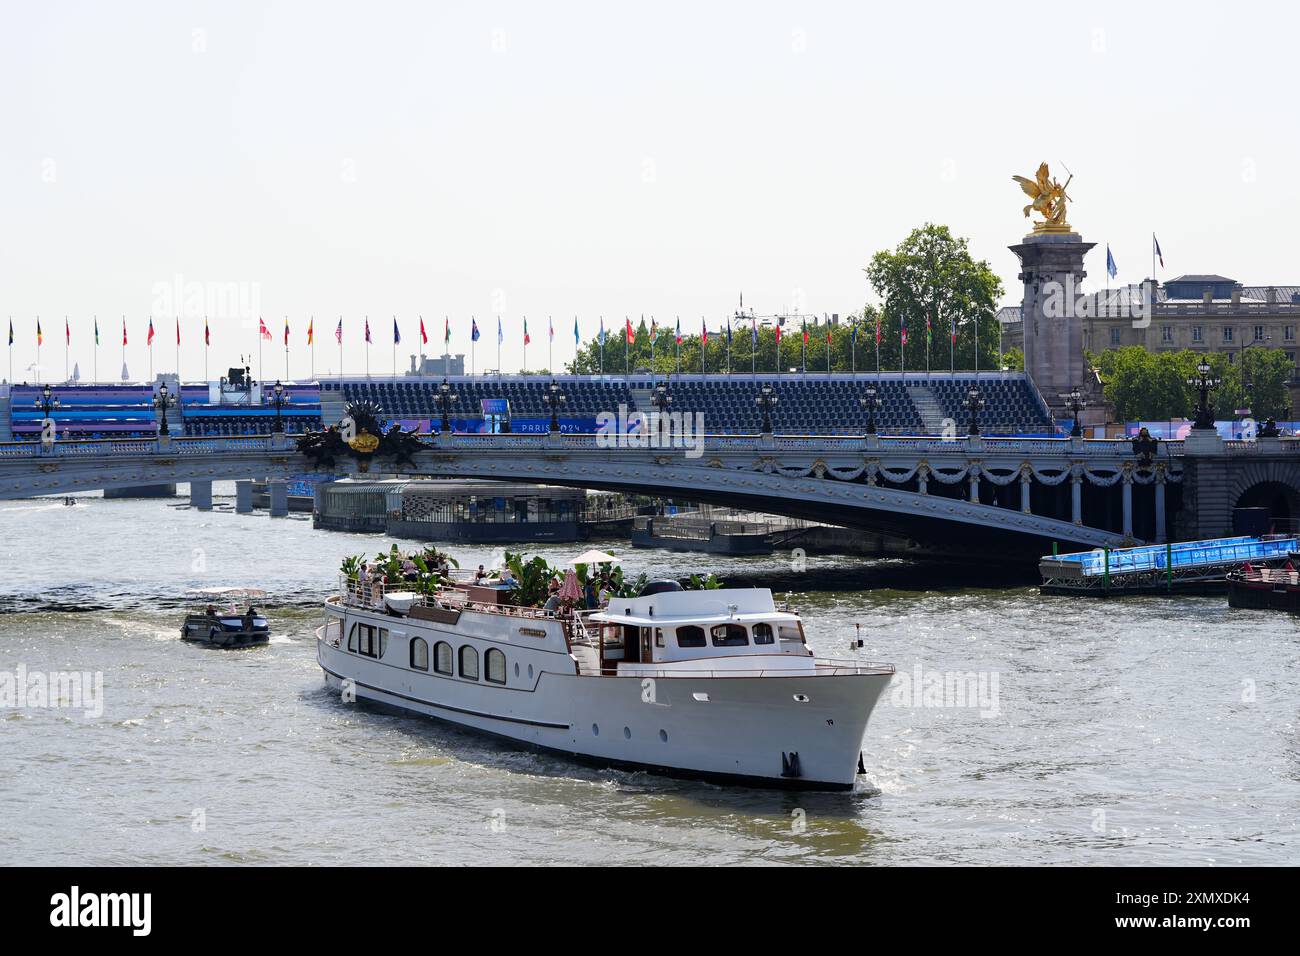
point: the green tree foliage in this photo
(1013, 359)
(930, 277)
(930, 273)
(1151, 386)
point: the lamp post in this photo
(1075, 403)
(446, 398)
(555, 397)
(870, 402)
(767, 400)
(974, 404)
(1204, 383)
(46, 403)
(277, 399)
(163, 401)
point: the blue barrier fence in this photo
(1185, 554)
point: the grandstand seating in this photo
(86, 411)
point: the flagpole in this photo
(286, 349)
(205, 350)
(550, 344)
(178, 355)
(124, 341)
(96, 319)
(311, 326)
(67, 336)
(38, 350)
(367, 348)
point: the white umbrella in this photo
(593, 557)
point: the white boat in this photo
(215, 618)
(715, 684)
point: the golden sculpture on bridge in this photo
(1049, 199)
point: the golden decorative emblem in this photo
(364, 443)
(1048, 200)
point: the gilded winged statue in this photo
(1049, 199)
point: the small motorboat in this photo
(217, 619)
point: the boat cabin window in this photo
(494, 664)
(468, 663)
(791, 632)
(659, 637)
(730, 635)
(690, 636)
(442, 657)
(763, 633)
(419, 654)
(368, 640)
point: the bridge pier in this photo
(278, 493)
(201, 495)
(243, 497)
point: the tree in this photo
(1152, 386)
(931, 286)
(1014, 360)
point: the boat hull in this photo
(792, 732)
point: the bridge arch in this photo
(1274, 485)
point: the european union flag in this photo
(1111, 270)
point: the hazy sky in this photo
(588, 158)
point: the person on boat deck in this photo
(553, 600)
(590, 594)
(211, 611)
(480, 575)
(602, 598)
(249, 617)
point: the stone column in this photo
(1051, 267)
(1160, 505)
(243, 497)
(1024, 492)
(974, 487)
(1128, 504)
(201, 495)
(278, 493)
(1076, 499)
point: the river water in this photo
(1147, 730)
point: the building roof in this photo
(1200, 278)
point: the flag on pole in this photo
(878, 314)
(728, 332)
(929, 331)
(473, 330)
(124, 331)
(753, 331)
(902, 325)
(424, 339)
(67, 332)
(577, 340)
(39, 337)
(397, 333)
(338, 332)
(631, 336)
(500, 334)
(261, 328)
(1159, 254)
(654, 331)
(704, 332)
(446, 330)
(601, 335)
(286, 331)
(527, 338)
(679, 331)
(368, 339)
(178, 330)
(148, 340)
(1111, 269)
(550, 326)
(803, 324)
(11, 331)
(311, 331)
(96, 330)
(207, 333)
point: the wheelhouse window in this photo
(729, 635)
(494, 666)
(690, 635)
(763, 634)
(442, 658)
(791, 632)
(419, 654)
(368, 640)
(468, 663)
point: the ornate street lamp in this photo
(767, 400)
(278, 399)
(974, 404)
(870, 402)
(555, 397)
(46, 402)
(1075, 403)
(660, 398)
(163, 401)
(1204, 383)
(446, 397)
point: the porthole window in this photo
(494, 666)
(419, 654)
(663, 736)
(516, 668)
(627, 733)
(468, 663)
(442, 657)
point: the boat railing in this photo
(373, 593)
(823, 667)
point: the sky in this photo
(585, 159)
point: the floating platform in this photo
(1199, 567)
(1269, 589)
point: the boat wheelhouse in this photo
(719, 684)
